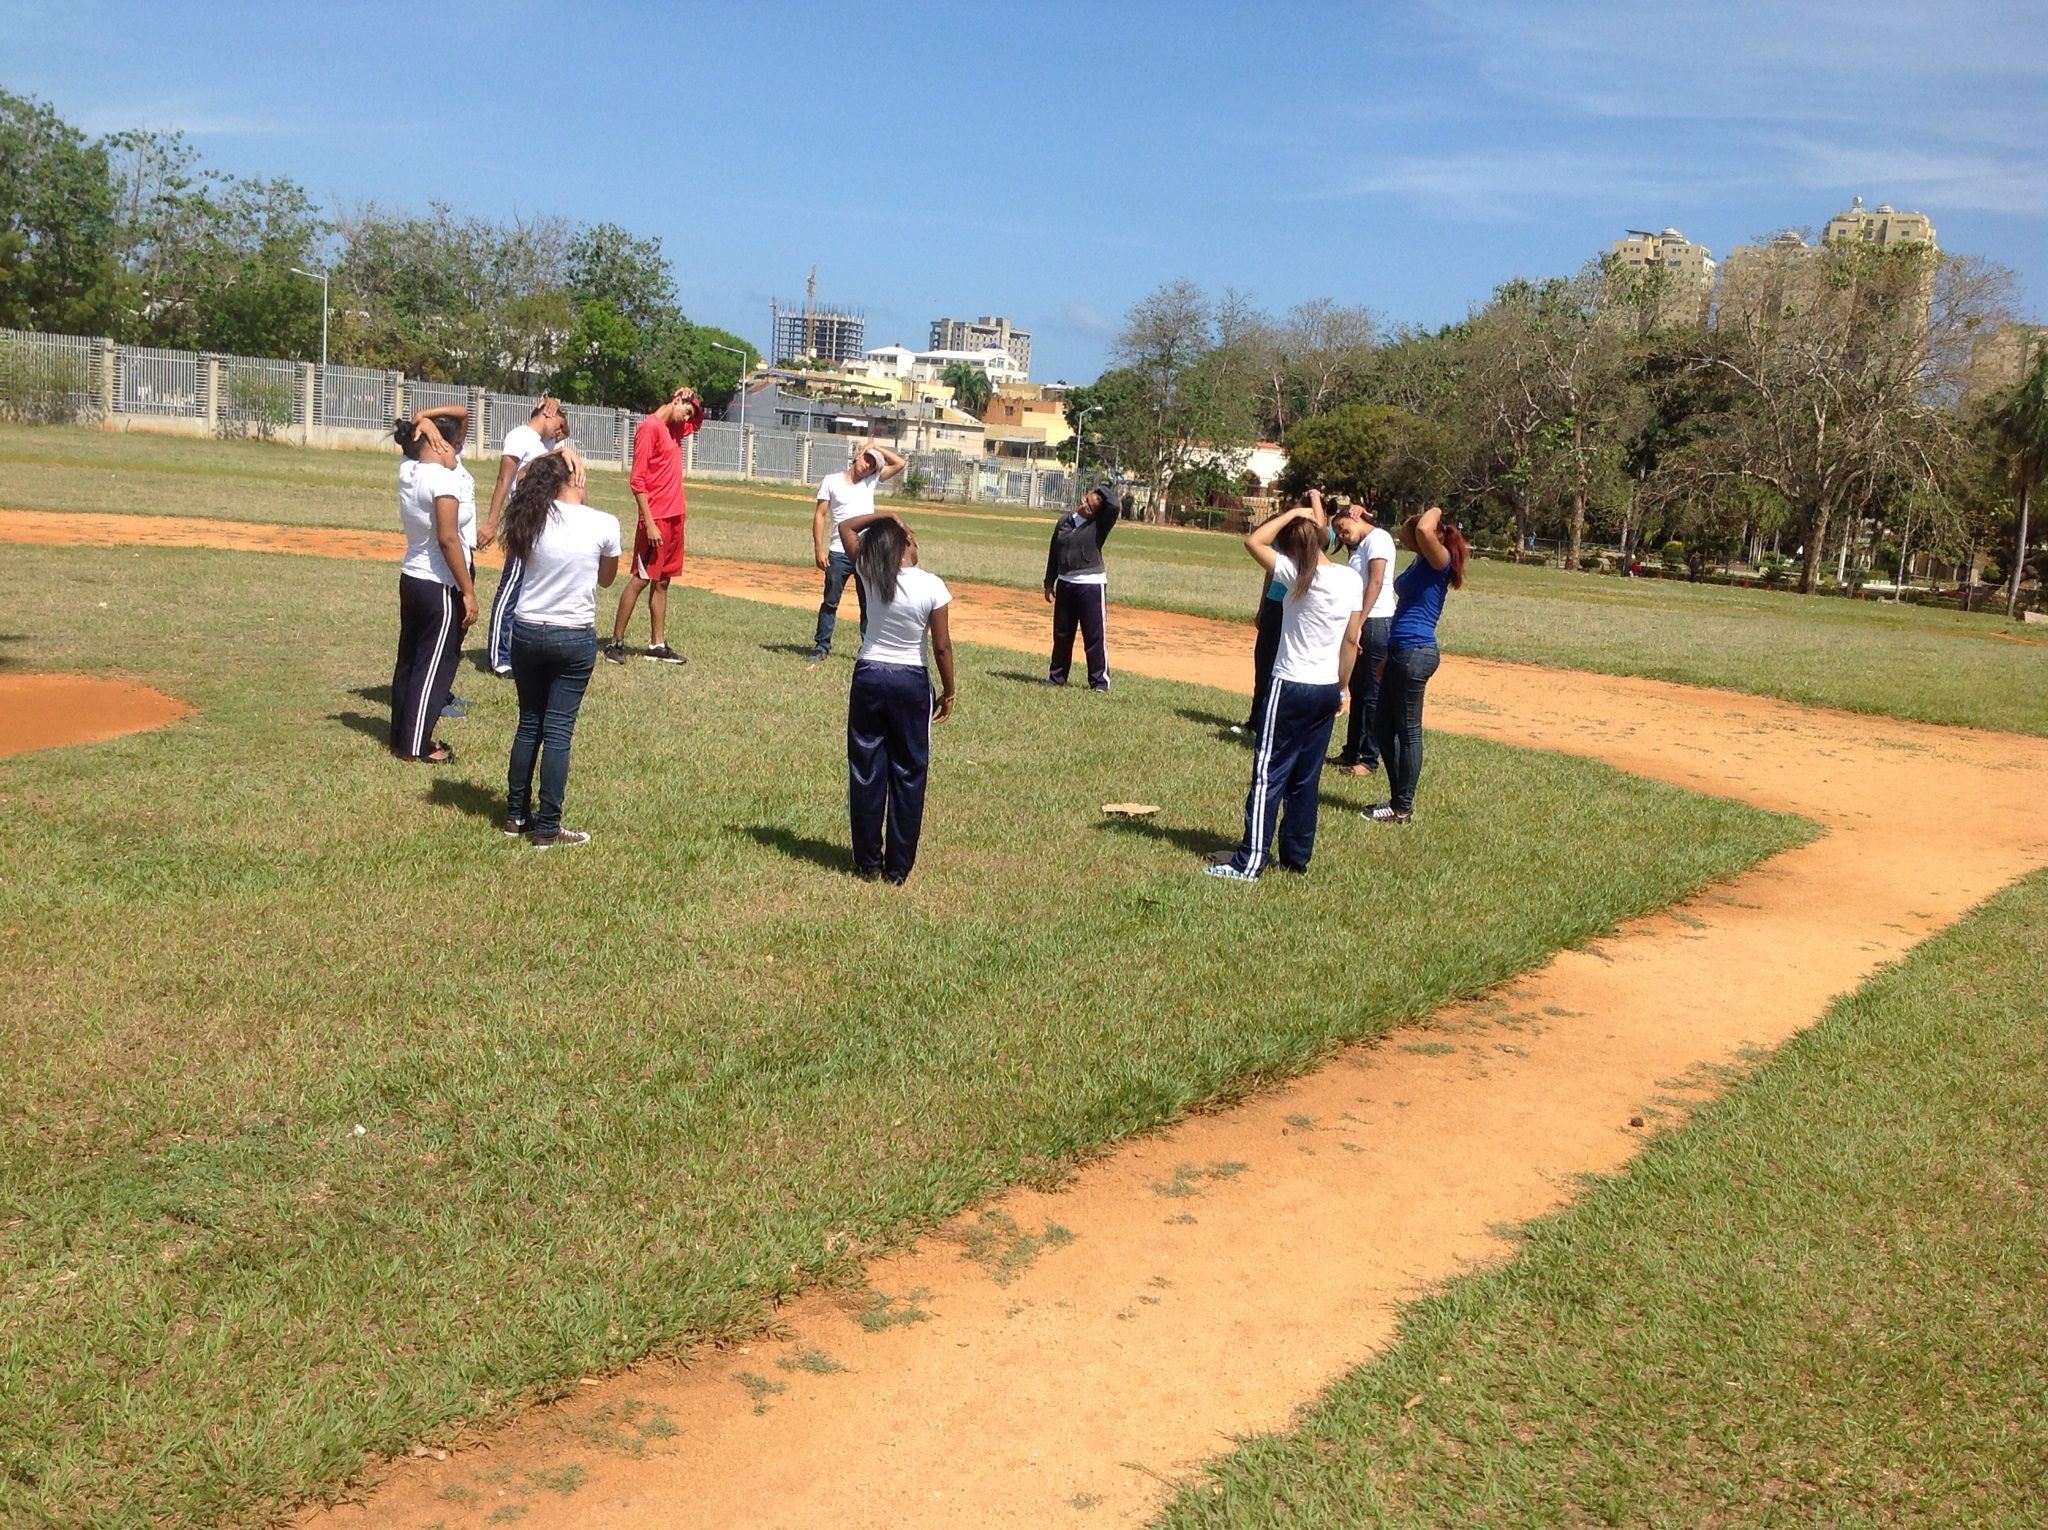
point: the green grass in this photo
(329, 1119)
(1823, 1302)
(1932, 665)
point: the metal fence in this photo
(157, 382)
(53, 378)
(356, 398)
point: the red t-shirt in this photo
(658, 464)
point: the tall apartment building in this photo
(1881, 225)
(1688, 268)
(981, 334)
(833, 335)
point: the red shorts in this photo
(658, 561)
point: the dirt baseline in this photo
(51, 711)
(1191, 1306)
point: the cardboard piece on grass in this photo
(1130, 809)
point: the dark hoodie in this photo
(1077, 540)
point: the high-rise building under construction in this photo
(836, 335)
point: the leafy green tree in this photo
(57, 260)
(1399, 461)
(971, 387)
(2018, 427)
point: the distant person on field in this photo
(1321, 612)
(1266, 642)
(1372, 559)
(842, 496)
(436, 587)
(657, 481)
(545, 430)
(1437, 568)
(890, 708)
(569, 552)
(1077, 586)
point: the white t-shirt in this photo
(1312, 625)
(1378, 544)
(419, 485)
(560, 589)
(846, 499)
(524, 443)
(896, 628)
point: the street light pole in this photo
(321, 278)
(1080, 440)
(716, 346)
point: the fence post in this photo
(309, 401)
(624, 432)
(209, 384)
(479, 404)
(100, 385)
(747, 456)
(803, 461)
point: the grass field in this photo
(1825, 1301)
(1936, 666)
(329, 1118)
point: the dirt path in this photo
(50, 711)
(1218, 1274)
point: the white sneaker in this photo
(1229, 873)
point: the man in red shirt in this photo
(657, 481)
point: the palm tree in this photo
(2019, 426)
(970, 385)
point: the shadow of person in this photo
(1194, 841)
(1223, 725)
(801, 650)
(467, 797)
(1018, 675)
(378, 728)
(380, 694)
(830, 854)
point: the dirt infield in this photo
(50, 711)
(1212, 1277)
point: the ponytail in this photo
(879, 556)
(1456, 545)
(531, 502)
(1301, 539)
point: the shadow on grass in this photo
(378, 728)
(1017, 675)
(1194, 841)
(467, 797)
(830, 854)
(1215, 720)
(380, 694)
(8, 661)
(801, 650)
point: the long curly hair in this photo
(531, 502)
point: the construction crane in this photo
(811, 316)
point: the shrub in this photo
(42, 387)
(1674, 555)
(256, 406)
(915, 482)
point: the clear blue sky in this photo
(1054, 162)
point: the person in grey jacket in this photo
(1077, 586)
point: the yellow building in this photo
(1687, 271)
(1882, 225)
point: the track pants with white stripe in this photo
(1083, 606)
(429, 643)
(504, 611)
(1287, 772)
(888, 755)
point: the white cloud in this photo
(1088, 319)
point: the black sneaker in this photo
(664, 655)
(616, 652)
(819, 655)
(868, 873)
(562, 837)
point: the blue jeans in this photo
(1287, 774)
(1397, 721)
(838, 569)
(1359, 748)
(551, 668)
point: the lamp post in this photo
(1081, 441)
(321, 278)
(716, 346)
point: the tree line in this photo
(1826, 412)
(135, 237)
